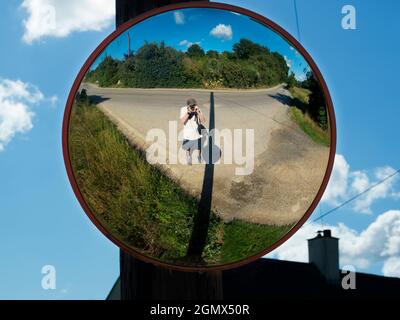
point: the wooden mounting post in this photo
(144, 281)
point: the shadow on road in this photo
(281, 98)
(202, 219)
(97, 99)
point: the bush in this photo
(82, 97)
(291, 82)
(316, 106)
(246, 49)
(212, 54)
(159, 66)
(127, 73)
(195, 51)
(106, 73)
(250, 65)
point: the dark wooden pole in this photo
(128, 9)
(144, 281)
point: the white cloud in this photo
(222, 31)
(345, 184)
(179, 17)
(382, 191)
(289, 62)
(337, 187)
(54, 18)
(295, 51)
(391, 267)
(188, 44)
(300, 77)
(16, 101)
(53, 100)
(378, 243)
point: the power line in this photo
(357, 196)
(366, 190)
(297, 20)
(296, 131)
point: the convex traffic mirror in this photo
(199, 137)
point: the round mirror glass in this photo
(199, 137)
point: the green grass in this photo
(310, 127)
(300, 97)
(243, 239)
(301, 94)
(140, 205)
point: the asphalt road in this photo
(288, 166)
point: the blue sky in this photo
(212, 29)
(42, 222)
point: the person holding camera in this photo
(192, 118)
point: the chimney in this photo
(323, 252)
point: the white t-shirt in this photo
(190, 128)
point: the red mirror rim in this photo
(209, 5)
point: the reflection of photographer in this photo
(192, 112)
(192, 119)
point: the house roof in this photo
(267, 278)
(276, 279)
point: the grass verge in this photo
(301, 94)
(310, 127)
(300, 97)
(140, 205)
(243, 239)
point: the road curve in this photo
(288, 166)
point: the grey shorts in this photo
(191, 144)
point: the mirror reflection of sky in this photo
(212, 29)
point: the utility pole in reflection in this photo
(140, 280)
(129, 46)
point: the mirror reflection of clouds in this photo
(212, 29)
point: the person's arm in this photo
(184, 117)
(202, 118)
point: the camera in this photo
(192, 114)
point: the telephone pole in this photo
(144, 281)
(129, 45)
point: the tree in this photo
(195, 51)
(159, 66)
(154, 65)
(213, 54)
(316, 107)
(127, 72)
(323, 118)
(107, 72)
(228, 55)
(247, 48)
(291, 82)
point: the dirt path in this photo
(288, 166)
